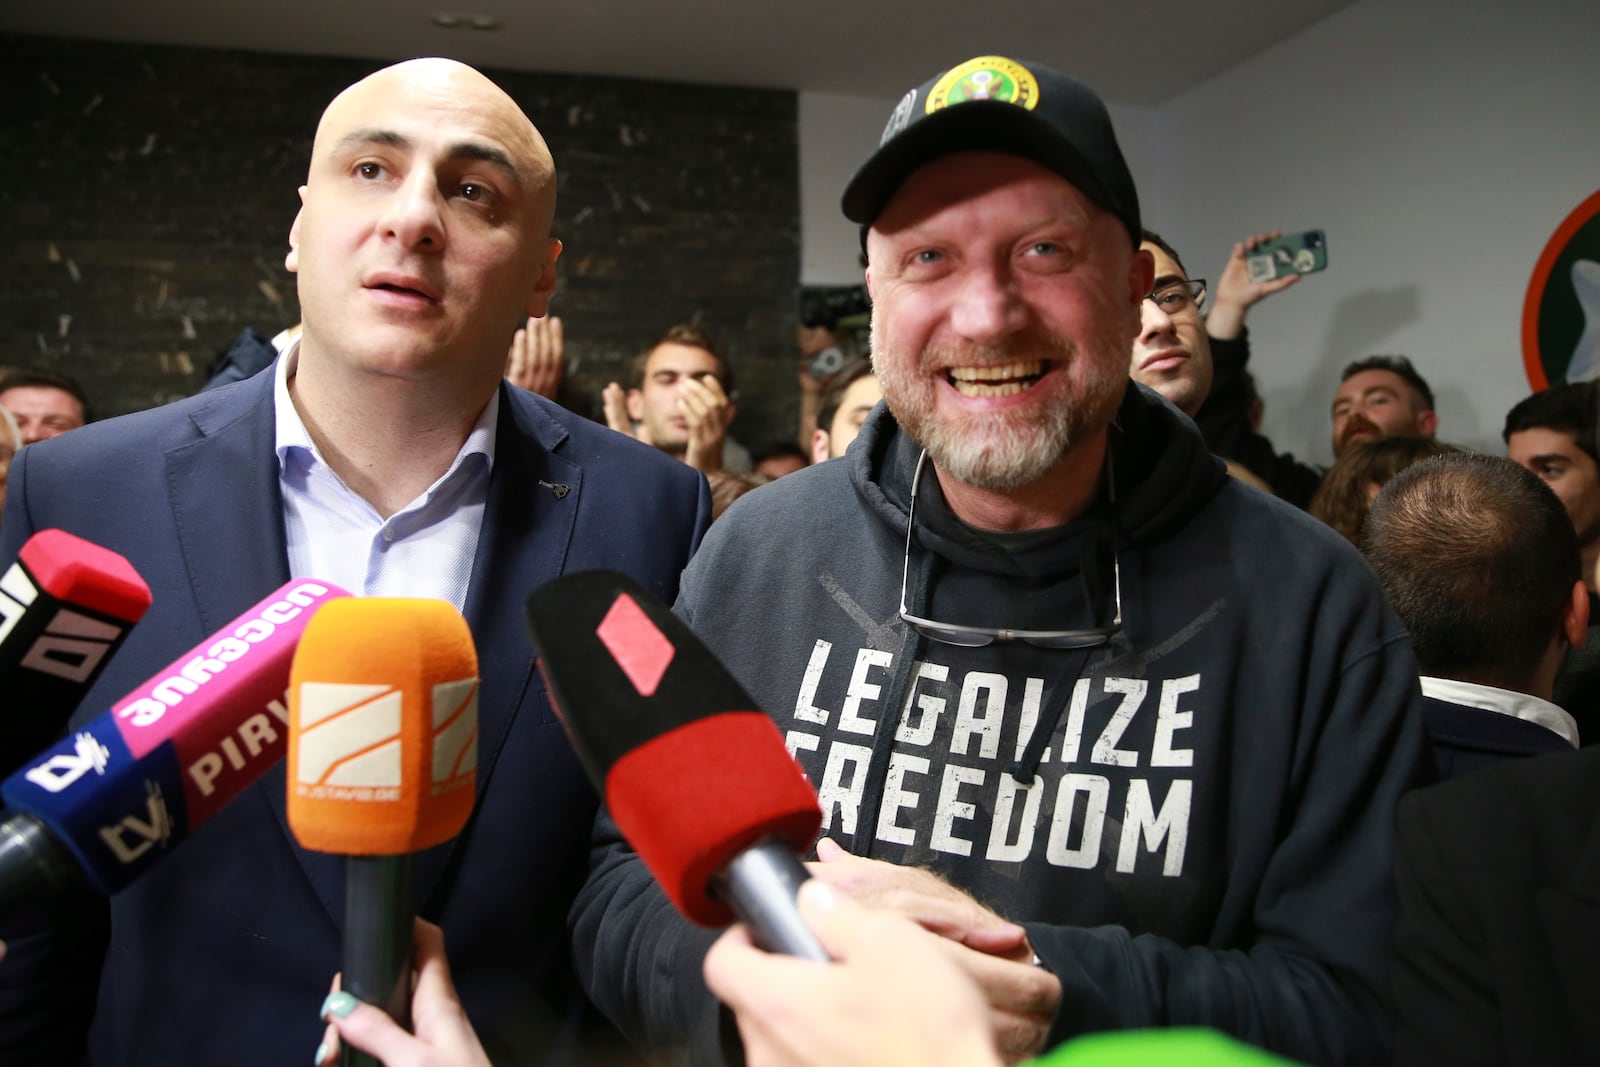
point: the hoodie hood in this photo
(1162, 472)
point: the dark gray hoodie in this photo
(1199, 831)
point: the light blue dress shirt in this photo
(425, 549)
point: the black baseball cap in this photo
(995, 104)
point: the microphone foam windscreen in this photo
(383, 727)
(691, 772)
(83, 573)
(693, 798)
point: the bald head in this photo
(521, 148)
(423, 238)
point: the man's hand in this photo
(537, 357)
(891, 996)
(709, 412)
(614, 398)
(995, 953)
(1235, 293)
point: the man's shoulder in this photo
(554, 428)
(812, 497)
(1525, 800)
(128, 439)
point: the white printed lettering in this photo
(837, 795)
(1105, 749)
(896, 796)
(951, 808)
(1169, 720)
(1096, 792)
(860, 689)
(986, 726)
(1171, 826)
(919, 731)
(805, 707)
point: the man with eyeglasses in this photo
(1129, 735)
(1172, 353)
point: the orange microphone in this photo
(383, 747)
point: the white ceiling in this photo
(1131, 53)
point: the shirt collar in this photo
(1506, 702)
(292, 435)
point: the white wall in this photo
(837, 133)
(1439, 143)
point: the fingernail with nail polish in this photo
(339, 1003)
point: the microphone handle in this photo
(377, 940)
(34, 864)
(760, 884)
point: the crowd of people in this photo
(1107, 731)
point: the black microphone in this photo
(383, 756)
(105, 805)
(697, 778)
(65, 606)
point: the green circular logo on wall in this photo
(1561, 315)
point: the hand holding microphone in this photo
(383, 742)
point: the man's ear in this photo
(291, 261)
(819, 445)
(635, 403)
(1141, 274)
(539, 300)
(1427, 423)
(1575, 619)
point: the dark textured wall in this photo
(146, 194)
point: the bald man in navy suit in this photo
(382, 453)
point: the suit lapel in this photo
(225, 497)
(528, 524)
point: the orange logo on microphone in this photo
(383, 727)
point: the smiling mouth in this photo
(1005, 380)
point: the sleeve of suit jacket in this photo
(51, 973)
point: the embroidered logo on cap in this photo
(985, 78)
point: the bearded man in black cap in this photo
(1128, 735)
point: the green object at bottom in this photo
(1159, 1048)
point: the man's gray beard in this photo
(1001, 455)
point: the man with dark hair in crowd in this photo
(680, 399)
(1129, 735)
(45, 403)
(843, 408)
(1552, 433)
(383, 453)
(1377, 396)
(1381, 396)
(1480, 562)
(1172, 354)
(1497, 870)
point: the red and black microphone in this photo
(65, 606)
(383, 756)
(695, 776)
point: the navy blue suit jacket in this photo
(224, 952)
(1468, 739)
